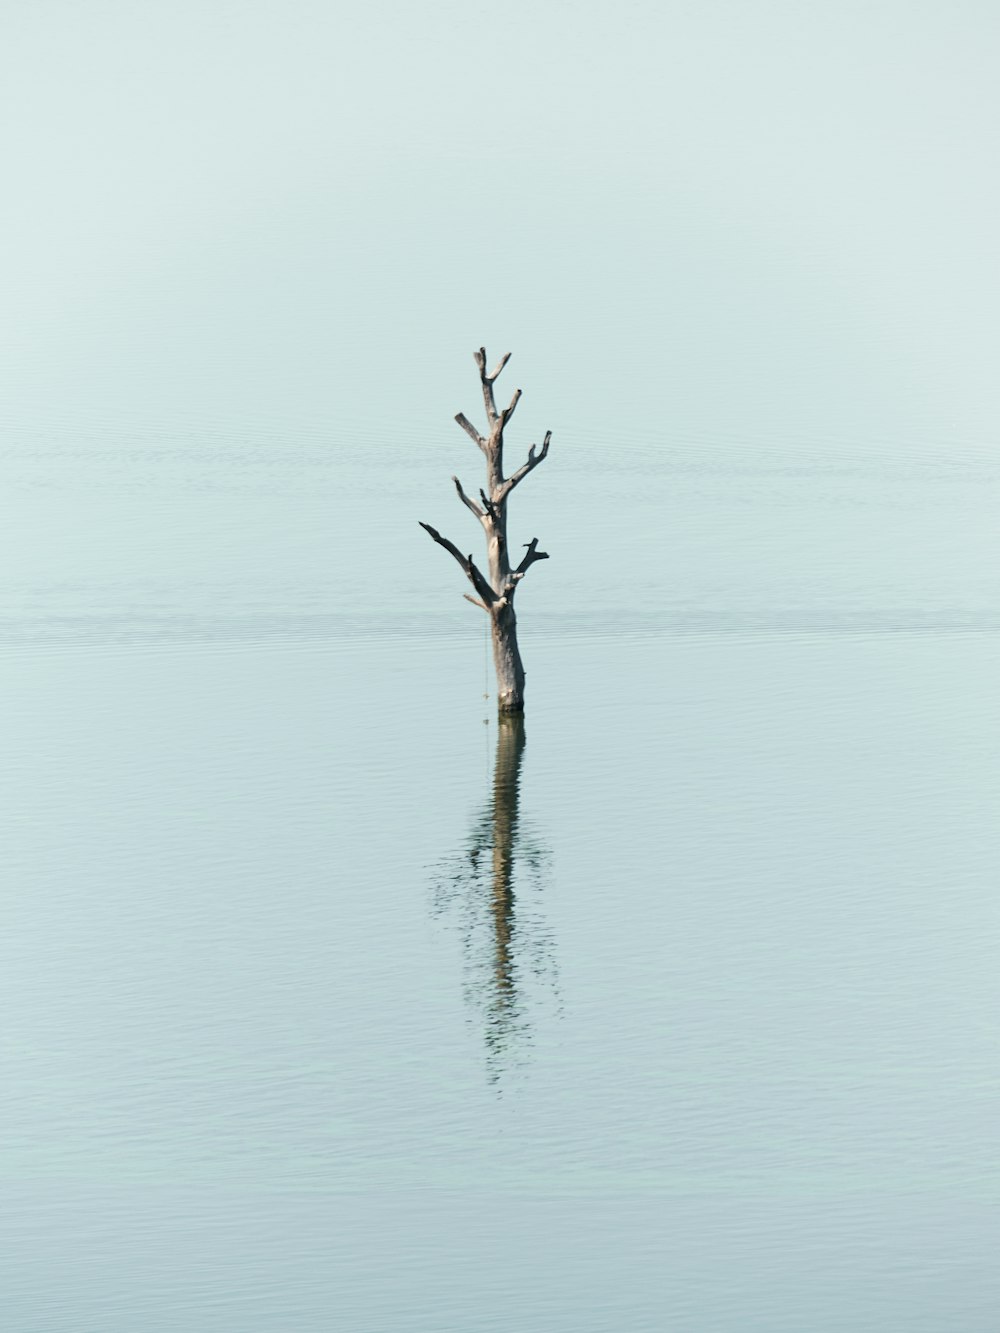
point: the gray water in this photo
(688, 1021)
(330, 1004)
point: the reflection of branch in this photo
(504, 944)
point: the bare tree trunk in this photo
(496, 594)
(507, 661)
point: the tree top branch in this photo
(481, 363)
(493, 417)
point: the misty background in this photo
(712, 235)
(324, 1005)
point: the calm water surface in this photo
(330, 1005)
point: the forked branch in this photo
(500, 364)
(533, 461)
(496, 419)
(530, 556)
(487, 383)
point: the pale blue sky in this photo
(759, 220)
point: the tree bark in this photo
(507, 660)
(495, 594)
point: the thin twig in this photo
(500, 365)
(470, 504)
(508, 412)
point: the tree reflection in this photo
(492, 886)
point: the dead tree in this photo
(496, 594)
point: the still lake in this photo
(329, 1006)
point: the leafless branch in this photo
(470, 429)
(470, 504)
(530, 556)
(497, 420)
(533, 461)
(475, 601)
(508, 412)
(493, 417)
(500, 365)
(468, 564)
